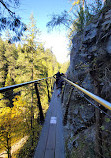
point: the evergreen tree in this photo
(18, 107)
(3, 64)
(9, 20)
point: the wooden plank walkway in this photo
(51, 142)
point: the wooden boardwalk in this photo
(51, 142)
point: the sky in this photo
(42, 10)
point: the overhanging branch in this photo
(10, 12)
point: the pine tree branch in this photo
(10, 12)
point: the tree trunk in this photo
(39, 105)
(8, 145)
(32, 117)
(48, 91)
(32, 109)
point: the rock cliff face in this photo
(90, 67)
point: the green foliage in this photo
(78, 17)
(28, 150)
(18, 108)
(9, 20)
(103, 128)
(80, 22)
(107, 119)
(57, 20)
(64, 67)
(79, 148)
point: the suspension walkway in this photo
(51, 143)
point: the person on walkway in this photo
(59, 82)
(57, 77)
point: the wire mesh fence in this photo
(20, 123)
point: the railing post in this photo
(48, 91)
(39, 104)
(52, 85)
(98, 115)
(67, 107)
(63, 92)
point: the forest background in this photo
(18, 108)
(31, 61)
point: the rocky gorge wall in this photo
(90, 67)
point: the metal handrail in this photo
(4, 89)
(93, 96)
